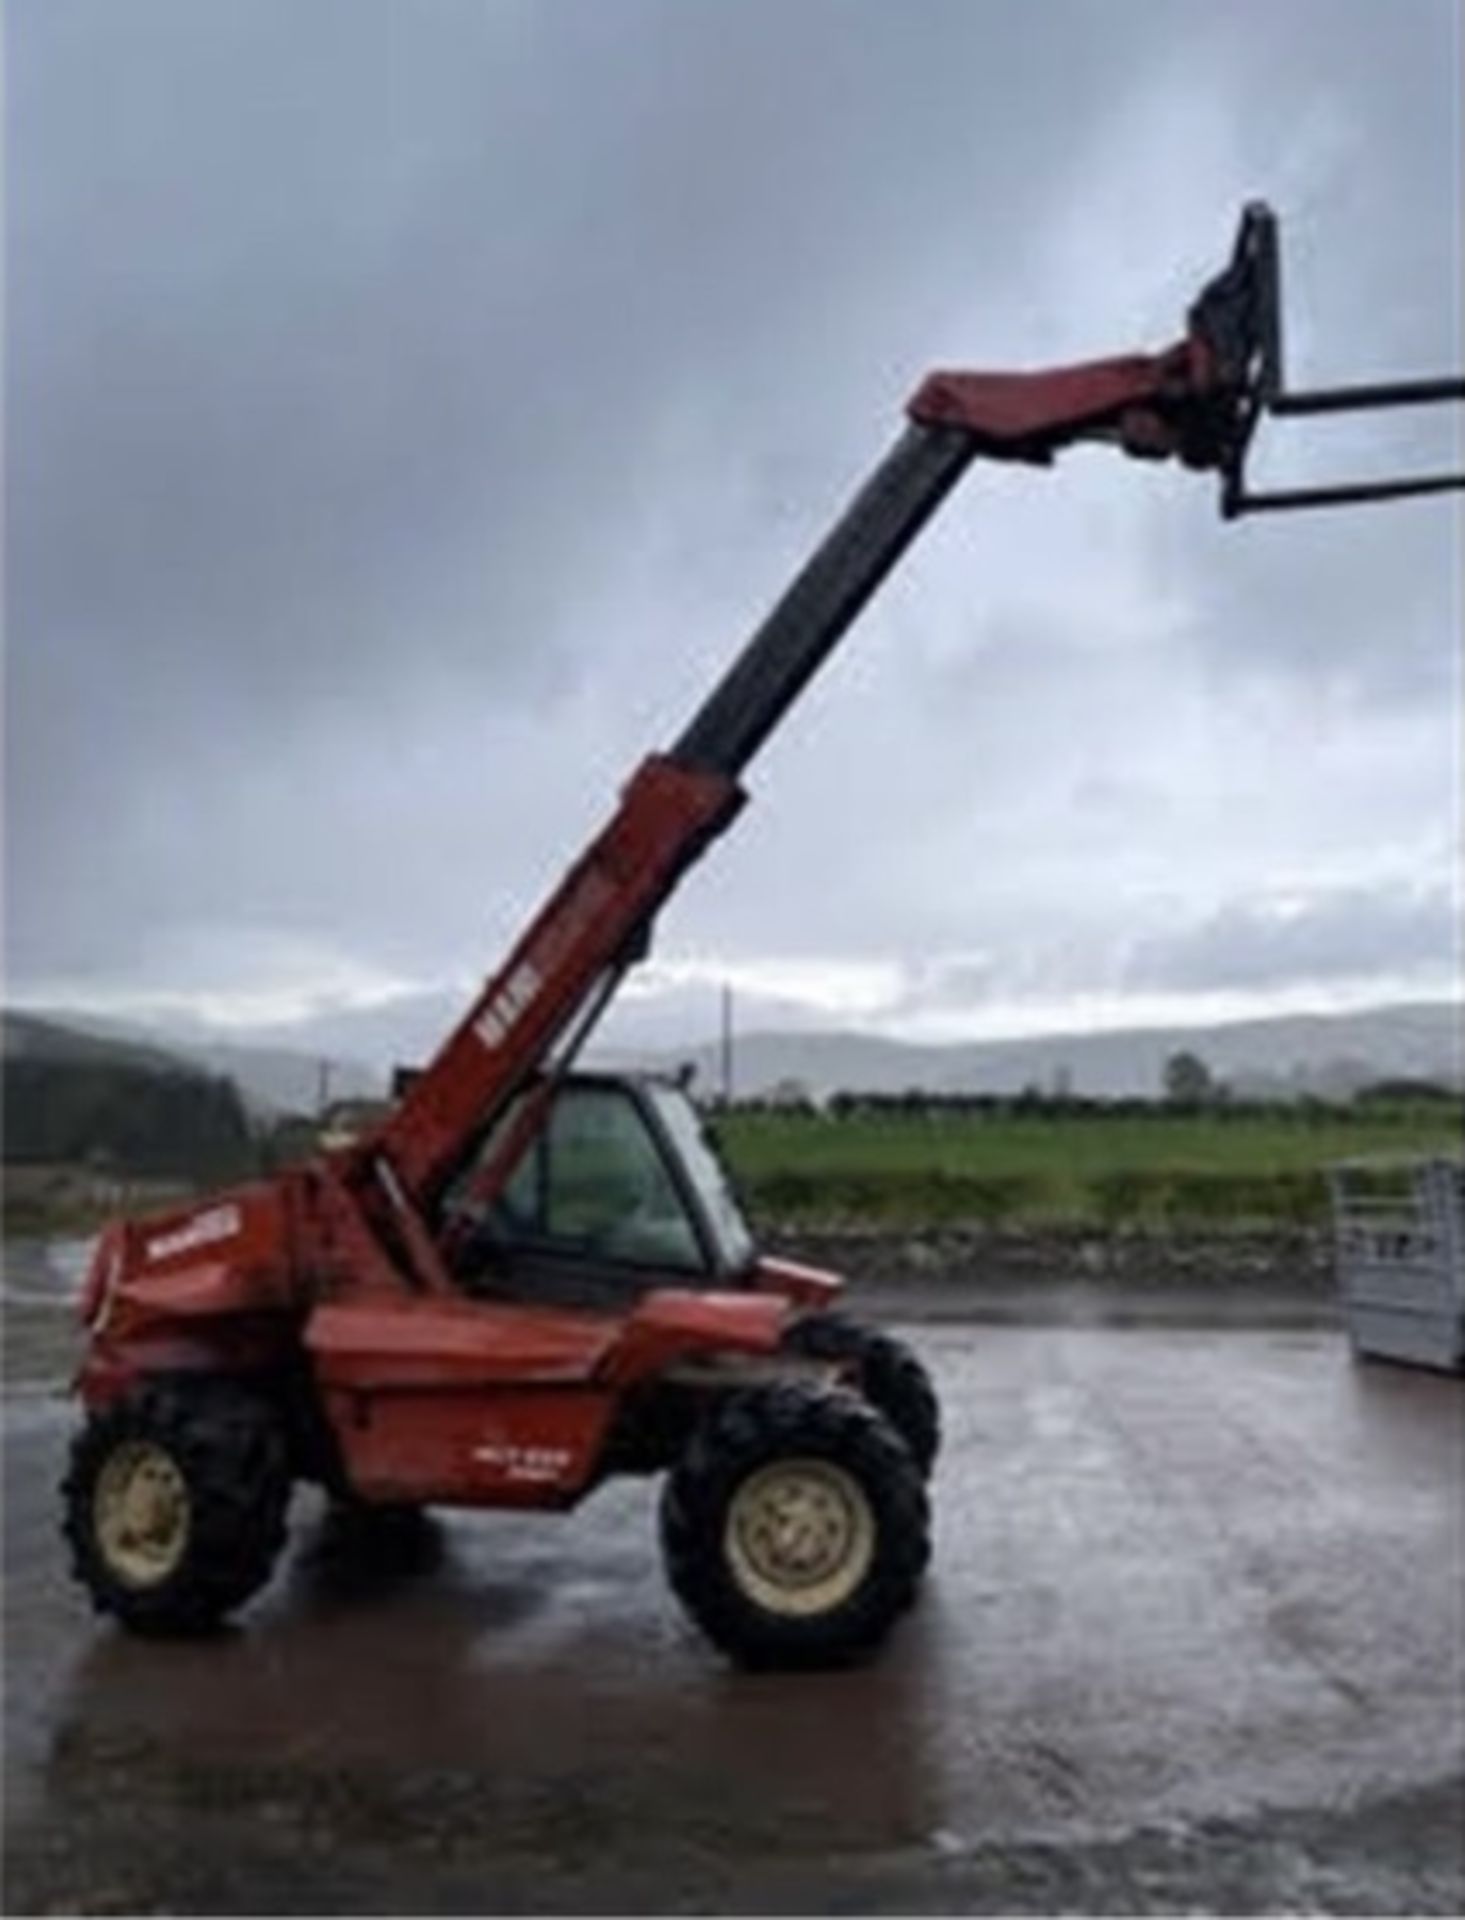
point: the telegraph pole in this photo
(727, 1046)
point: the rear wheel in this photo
(795, 1527)
(884, 1371)
(175, 1504)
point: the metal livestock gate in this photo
(1399, 1237)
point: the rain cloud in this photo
(410, 408)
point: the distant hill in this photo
(276, 1080)
(271, 1079)
(28, 1036)
(1329, 1055)
(73, 1098)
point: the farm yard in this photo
(916, 1366)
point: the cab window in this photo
(595, 1184)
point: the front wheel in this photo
(175, 1504)
(795, 1528)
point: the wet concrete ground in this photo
(1193, 1641)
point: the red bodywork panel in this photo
(475, 1403)
(417, 1342)
(515, 1447)
(211, 1288)
(471, 1404)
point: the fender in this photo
(672, 1322)
(235, 1346)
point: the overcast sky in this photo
(411, 404)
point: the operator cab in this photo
(619, 1191)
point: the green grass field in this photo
(1106, 1170)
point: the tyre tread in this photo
(892, 1378)
(229, 1446)
(747, 1431)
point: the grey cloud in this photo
(334, 346)
(941, 985)
(410, 407)
(1352, 932)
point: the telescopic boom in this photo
(1199, 401)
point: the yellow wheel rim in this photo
(140, 1512)
(800, 1537)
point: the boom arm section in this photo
(593, 924)
(1198, 401)
(599, 917)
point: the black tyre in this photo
(883, 1371)
(795, 1528)
(175, 1504)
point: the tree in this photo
(1188, 1081)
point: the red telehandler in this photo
(527, 1279)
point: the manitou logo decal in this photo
(219, 1223)
(517, 993)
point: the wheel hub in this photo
(800, 1536)
(141, 1513)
